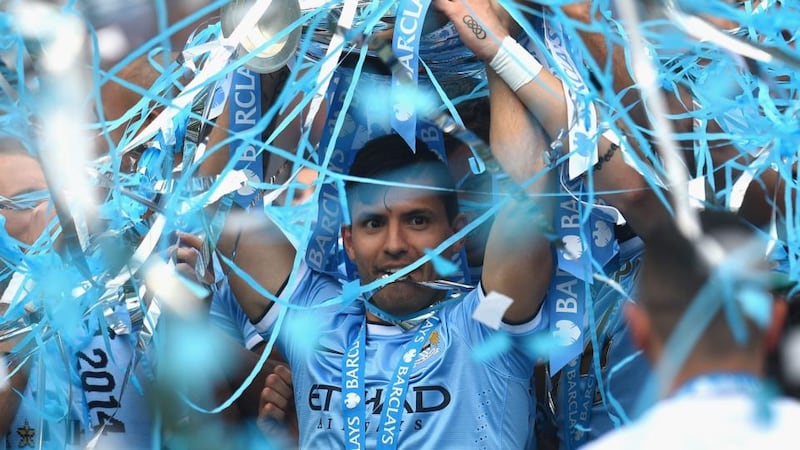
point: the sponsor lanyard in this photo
(566, 303)
(405, 46)
(353, 405)
(585, 241)
(245, 113)
(322, 253)
(353, 389)
(721, 383)
(575, 399)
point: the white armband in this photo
(514, 64)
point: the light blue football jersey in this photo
(47, 420)
(226, 314)
(81, 397)
(101, 369)
(453, 401)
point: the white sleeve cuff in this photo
(524, 328)
(253, 341)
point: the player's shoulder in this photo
(310, 287)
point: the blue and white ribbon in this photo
(405, 44)
(245, 112)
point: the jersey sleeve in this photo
(516, 360)
(306, 288)
(226, 314)
(471, 302)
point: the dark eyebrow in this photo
(367, 215)
(419, 212)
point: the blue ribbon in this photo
(245, 112)
(575, 399)
(353, 404)
(566, 304)
(322, 253)
(353, 389)
(393, 408)
(405, 44)
(587, 239)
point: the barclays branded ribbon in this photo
(353, 403)
(405, 44)
(393, 408)
(567, 304)
(581, 113)
(582, 120)
(575, 399)
(322, 253)
(245, 112)
(584, 240)
(587, 240)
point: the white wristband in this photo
(514, 64)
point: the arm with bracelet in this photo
(486, 29)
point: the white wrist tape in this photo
(514, 64)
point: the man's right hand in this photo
(277, 397)
(478, 23)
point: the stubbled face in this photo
(390, 231)
(20, 174)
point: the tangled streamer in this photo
(58, 308)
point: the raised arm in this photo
(518, 260)
(485, 27)
(260, 249)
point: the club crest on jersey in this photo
(26, 434)
(430, 349)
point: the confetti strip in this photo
(746, 79)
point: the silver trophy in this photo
(270, 43)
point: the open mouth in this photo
(390, 272)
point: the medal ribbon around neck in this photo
(353, 389)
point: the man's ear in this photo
(459, 222)
(347, 241)
(640, 327)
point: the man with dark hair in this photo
(398, 367)
(388, 159)
(671, 258)
(715, 397)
